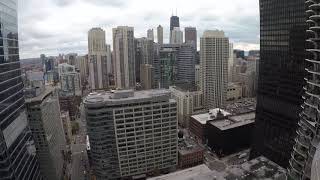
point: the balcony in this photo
(302, 141)
(302, 151)
(295, 167)
(314, 5)
(299, 159)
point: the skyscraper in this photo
(124, 57)
(69, 80)
(214, 54)
(98, 76)
(146, 76)
(281, 78)
(190, 36)
(144, 54)
(308, 135)
(18, 158)
(131, 133)
(174, 22)
(176, 36)
(83, 66)
(230, 62)
(160, 34)
(150, 34)
(186, 62)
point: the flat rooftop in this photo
(47, 90)
(260, 168)
(125, 96)
(211, 115)
(234, 121)
(187, 146)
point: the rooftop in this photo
(212, 115)
(245, 105)
(234, 121)
(40, 97)
(187, 146)
(260, 168)
(125, 95)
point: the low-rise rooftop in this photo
(211, 115)
(234, 121)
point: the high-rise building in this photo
(160, 34)
(98, 76)
(185, 64)
(69, 80)
(144, 54)
(150, 34)
(190, 36)
(131, 133)
(176, 36)
(71, 58)
(174, 22)
(214, 55)
(146, 76)
(198, 79)
(44, 117)
(18, 158)
(239, 53)
(230, 62)
(109, 60)
(83, 66)
(281, 78)
(124, 57)
(308, 135)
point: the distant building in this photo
(239, 53)
(234, 91)
(46, 126)
(190, 36)
(188, 103)
(176, 36)
(132, 118)
(230, 62)
(255, 53)
(124, 57)
(144, 54)
(150, 34)
(160, 34)
(82, 65)
(214, 54)
(69, 80)
(174, 22)
(146, 74)
(71, 58)
(186, 62)
(98, 75)
(189, 153)
(198, 79)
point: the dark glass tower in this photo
(174, 22)
(17, 151)
(281, 78)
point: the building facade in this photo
(160, 34)
(186, 62)
(308, 135)
(47, 129)
(146, 74)
(190, 36)
(18, 158)
(70, 84)
(131, 133)
(150, 34)
(124, 57)
(83, 67)
(174, 22)
(281, 78)
(176, 36)
(214, 54)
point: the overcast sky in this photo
(61, 26)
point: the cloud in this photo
(61, 26)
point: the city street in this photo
(79, 154)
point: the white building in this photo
(234, 91)
(160, 34)
(214, 55)
(131, 132)
(188, 103)
(98, 63)
(230, 62)
(69, 80)
(124, 57)
(150, 34)
(176, 36)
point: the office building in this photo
(188, 103)
(132, 133)
(239, 53)
(281, 79)
(69, 80)
(124, 57)
(144, 54)
(176, 36)
(109, 60)
(230, 62)
(190, 36)
(189, 153)
(174, 23)
(44, 118)
(150, 34)
(98, 76)
(198, 79)
(185, 63)
(146, 76)
(214, 55)
(17, 148)
(71, 58)
(254, 53)
(83, 67)
(160, 34)
(308, 136)
(234, 91)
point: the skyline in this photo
(44, 31)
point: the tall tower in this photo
(18, 158)
(190, 36)
(124, 57)
(98, 76)
(150, 34)
(160, 34)
(176, 36)
(308, 133)
(174, 22)
(214, 49)
(281, 78)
